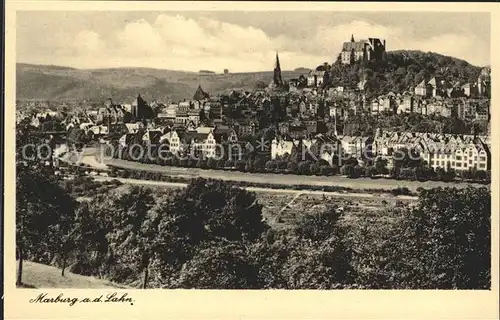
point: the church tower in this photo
(278, 81)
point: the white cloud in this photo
(88, 41)
(177, 42)
(138, 38)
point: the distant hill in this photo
(303, 70)
(123, 84)
(400, 70)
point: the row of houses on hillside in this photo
(325, 147)
(439, 86)
(459, 152)
(207, 141)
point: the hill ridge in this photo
(49, 82)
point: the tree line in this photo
(310, 164)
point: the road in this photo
(257, 189)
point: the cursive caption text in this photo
(61, 298)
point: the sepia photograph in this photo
(253, 150)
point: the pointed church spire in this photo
(352, 37)
(200, 94)
(278, 82)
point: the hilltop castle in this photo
(364, 50)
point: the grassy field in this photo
(282, 211)
(36, 275)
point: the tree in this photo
(292, 167)
(326, 170)
(44, 210)
(76, 138)
(212, 163)
(44, 213)
(370, 171)
(249, 166)
(303, 167)
(259, 164)
(218, 265)
(271, 166)
(201, 163)
(381, 165)
(314, 168)
(129, 241)
(205, 220)
(406, 158)
(347, 170)
(229, 163)
(319, 257)
(241, 165)
(444, 242)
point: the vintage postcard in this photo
(275, 160)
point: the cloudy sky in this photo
(239, 41)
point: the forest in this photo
(212, 235)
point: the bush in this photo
(229, 163)
(212, 163)
(292, 167)
(241, 165)
(370, 171)
(304, 167)
(346, 170)
(271, 166)
(404, 191)
(326, 170)
(249, 166)
(221, 164)
(315, 169)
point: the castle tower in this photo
(278, 81)
(352, 37)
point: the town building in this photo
(356, 146)
(140, 109)
(315, 78)
(459, 152)
(439, 87)
(484, 82)
(282, 146)
(200, 94)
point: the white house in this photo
(280, 147)
(315, 78)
